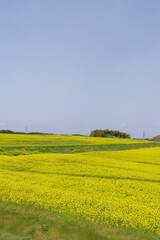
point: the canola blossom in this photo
(116, 187)
(20, 140)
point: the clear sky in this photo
(74, 66)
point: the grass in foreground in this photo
(27, 223)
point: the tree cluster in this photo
(109, 133)
(156, 138)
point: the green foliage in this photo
(109, 133)
(45, 228)
(156, 138)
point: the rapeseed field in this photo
(119, 188)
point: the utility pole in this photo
(26, 129)
(143, 134)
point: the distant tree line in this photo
(109, 133)
(12, 132)
(9, 131)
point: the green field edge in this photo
(26, 150)
(22, 222)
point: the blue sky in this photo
(74, 66)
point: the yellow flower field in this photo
(115, 187)
(23, 140)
